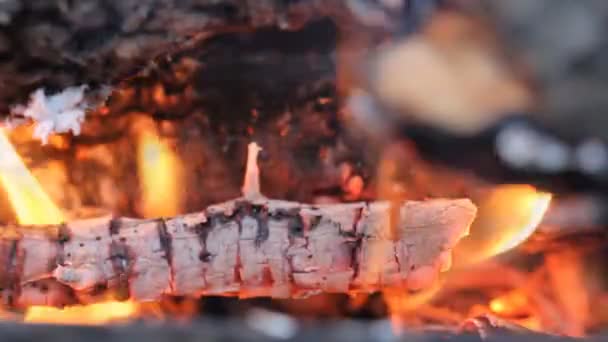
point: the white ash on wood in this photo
(247, 247)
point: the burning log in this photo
(243, 248)
(248, 247)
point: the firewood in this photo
(244, 248)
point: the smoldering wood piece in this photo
(245, 248)
(235, 330)
(57, 44)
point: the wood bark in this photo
(245, 248)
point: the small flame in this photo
(251, 184)
(159, 176)
(506, 217)
(92, 314)
(402, 304)
(33, 206)
(29, 201)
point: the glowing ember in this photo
(516, 307)
(29, 201)
(511, 304)
(93, 314)
(159, 177)
(506, 218)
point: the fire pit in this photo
(253, 170)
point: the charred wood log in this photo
(57, 44)
(245, 248)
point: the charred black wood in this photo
(57, 44)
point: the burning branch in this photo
(247, 247)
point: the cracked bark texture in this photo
(240, 248)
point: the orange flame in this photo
(33, 206)
(401, 304)
(506, 217)
(29, 201)
(159, 171)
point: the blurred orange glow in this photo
(517, 307)
(159, 174)
(510, 304)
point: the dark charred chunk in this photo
(261, 215)
(243, 208)
(9, 278)
(121, 262)
(44, 288)
(202, 230)
(314, 221)
(98, 289)
(351, 233)
(355, 246)
(64, 234)
(115, 225)
(119, 253)
(205, 256)
(165, 240)
(295, 223)
(358, 217)
(257, 212)
(215, 219)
